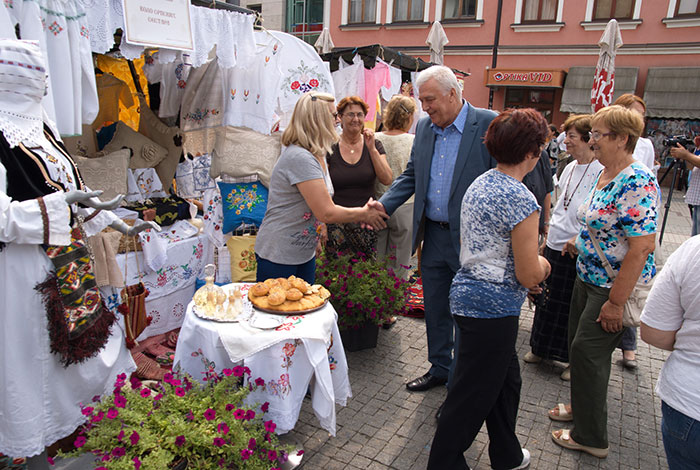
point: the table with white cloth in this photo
(301, 353)
(171, 287)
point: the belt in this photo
(442, 225)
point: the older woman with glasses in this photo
(619, 216)
(355, 163)
(549, 339)
(300, 195)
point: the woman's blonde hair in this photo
(621, 121)
(581, 123)
(398, 113)
(312, 125)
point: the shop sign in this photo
(158, 23)
(524, 78)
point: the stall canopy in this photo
(673, 92)
(370, 54)
(576, 97)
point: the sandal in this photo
(559, 413)
(562, 437)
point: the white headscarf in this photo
(23, 82)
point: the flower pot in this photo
(364, 337)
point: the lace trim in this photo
(19, 128)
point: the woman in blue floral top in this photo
(620, 215)
(499, 262)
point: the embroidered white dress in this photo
(40, 399)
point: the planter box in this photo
(364, 337)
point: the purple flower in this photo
(179, 391)
(209, 414)
(246, 453)
(135, 382)
(259, 382)
(272, 455)
(239, 414)
(377, 301)
(221, 462)
(167, 378)
(227, 372)
(223, 427)
(252, 443)
(145, 393)
(270, 426)
(118, 452)
(112, 413)
(218, 442)
(230, 406)
(180, 441)
(98, 417)
(238, 371)
(249, 415)
(137, 463)
(119, 401)
(265, 406)
(134, 438)
(87, 411)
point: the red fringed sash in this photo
(79, 321)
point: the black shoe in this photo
(425, 382)
(439, 412)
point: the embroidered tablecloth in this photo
(290, 364)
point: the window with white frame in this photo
(687, 8)
(539, 10)
(609, 9)
(459, 9)
(362, 11)
(408, 10)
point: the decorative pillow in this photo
(171, 138)
(145, 152)
(84, 145)
(241, 250)
(240, 151)
(243, 203)
(201, 167)
(107, 173)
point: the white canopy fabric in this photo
(437, 39)
(324, 43)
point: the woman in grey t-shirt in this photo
(300, 195)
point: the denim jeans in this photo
(681, 436)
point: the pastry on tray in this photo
(292, 295)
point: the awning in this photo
(673, 92)
(576, 97)
(528, 78)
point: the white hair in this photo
(443, 76)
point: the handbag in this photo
(241, 249)
(632, 310)
(133, 305)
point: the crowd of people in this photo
(473, 188)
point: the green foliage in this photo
(208, 425)
(362, 289)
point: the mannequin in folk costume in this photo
(59, 345)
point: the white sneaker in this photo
(526, 460)
(531, 358)
(566, 374)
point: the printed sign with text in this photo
(158, 23)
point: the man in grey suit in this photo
(448, 154)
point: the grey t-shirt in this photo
(288, 233)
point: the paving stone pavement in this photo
(384, 426)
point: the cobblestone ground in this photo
(384, 426)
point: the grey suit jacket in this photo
(472, 160)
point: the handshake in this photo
(374, 215)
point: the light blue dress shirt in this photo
(442, 167)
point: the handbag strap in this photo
(594, 240)
(126, 261)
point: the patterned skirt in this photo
(351, 238)
(549, 337)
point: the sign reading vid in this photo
(524, 78)
(158, 23)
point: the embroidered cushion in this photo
(240, 151)
(171, 138)
(243, 203)
(144, 152)
(107, 173)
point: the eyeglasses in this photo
(352, 116)
(595, 135)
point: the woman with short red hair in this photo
(499, 263)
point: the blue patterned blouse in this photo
(486, 286)
(625, 207)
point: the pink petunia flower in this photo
(50, 461)
(118, 452)
(137, 463)
(158, 397)
(270, 426)
(221, 462)
(119, 401)
(209, 414)
(176, 382)
(230, 406)
(238, 371)
(145, 393)
(189, 416)
(227, 372)
(168, 377)
(97, 417)
(135, 382)
(223, 427)
(120, 436)
(87, 411)
(265, 406)
(246, 453)
(179, 391)
(218, 442)
(180, 441)
(134, 438)
(239, 414)
(112, 413)
(272, 455)
(249, 415)
(252, 443)
(259, 382)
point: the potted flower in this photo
(181, 424)
(365, 292)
